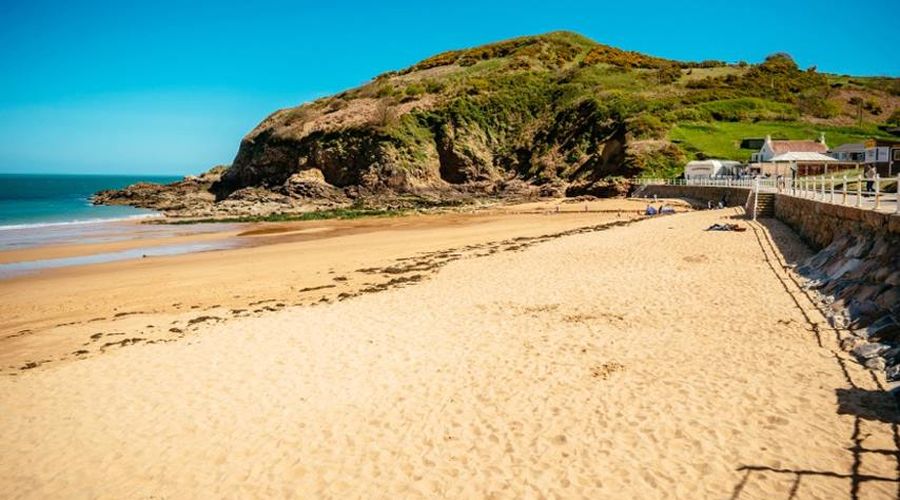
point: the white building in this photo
(771, 149)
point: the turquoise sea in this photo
(29, 200)
(39, 210)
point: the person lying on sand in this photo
(726, 227)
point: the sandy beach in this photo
(591, 354)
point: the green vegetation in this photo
(749, 109)
(723, 139)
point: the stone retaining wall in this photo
(855, 274)
(819, 223)
(698, 195)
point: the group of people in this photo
(662, 210)
(722, 203)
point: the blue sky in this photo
(164, 87)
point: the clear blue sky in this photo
(108, 87)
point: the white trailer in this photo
(704, 169)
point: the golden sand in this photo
(651, 360)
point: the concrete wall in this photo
(698, 195)
(820, 223)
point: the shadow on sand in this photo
(877, 406)
(871, 409)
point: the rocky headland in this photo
(541, 116)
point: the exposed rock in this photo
(849, 343)
(604, 188)
(190, 195)
(892, 355)
(892, 373)
(875, 364)
(884, 329)
(869, 350)
(310, 184)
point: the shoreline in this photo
(78, 222)
(129, 234)
(279, 263)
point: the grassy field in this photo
(723, 139)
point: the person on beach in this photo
(651, 210)
(870, 178)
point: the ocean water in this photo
(33, 201)
(42, 210)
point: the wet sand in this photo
(56, 315)
(534, 355)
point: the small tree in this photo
(668, 73)
(858, 102)
(385, 114)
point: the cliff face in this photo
(464, 121)
(545, 115)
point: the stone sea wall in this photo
(699, 195)
(820, 223)
(855, 274)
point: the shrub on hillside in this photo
(604, 54)
(415, 89)
(336, 105)
(815, 105)
(646, 126)
(872, 106)
(668, 73)
(666, 161)
(434, 86)
(894, 119)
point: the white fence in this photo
(742, 182)
(865, 194)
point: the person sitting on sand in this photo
(650, 210)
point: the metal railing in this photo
(738, 182)
(820, 188)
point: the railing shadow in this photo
(870, 407)
(787, 247)
(877, 405)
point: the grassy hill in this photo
(554, 113)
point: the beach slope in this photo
(651, 360)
